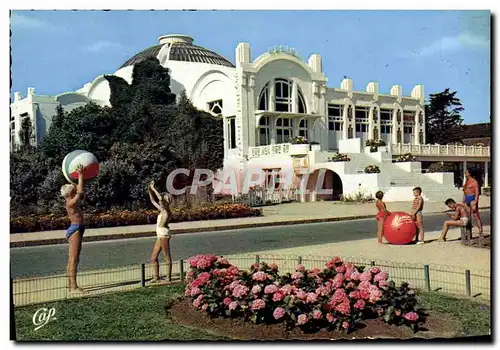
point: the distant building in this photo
(266, 101)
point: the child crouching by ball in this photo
(382, 214)
(162, 231)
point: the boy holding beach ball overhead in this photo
(73, 196)
(162, 203)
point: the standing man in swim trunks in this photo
(162, 231)
(460, 219)
(74, 234)
(416, 213)
(471, 199)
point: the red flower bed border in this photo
(36, 223)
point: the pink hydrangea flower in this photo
(187, 292)
(202, 261)
(286, 289)
(227, 301)
(270, 289)
(340, 269)
(258, 304)
(240, 291)
(300, 268)
(278, 296)
(315, 271)
(381, 276)
(278, 313)
(311, 298)
(411, 316)
(195, 292)
(355, 294)
(260, 276)
(297, 275)
(204, 307)
(224, 262)
(301, 294)
(233, 270)
(345, 325)
(383, 284)
(365, 285)
(302, 319)
(355, 276)
(233, 285)
(273, 266)
(233, 305)
(322, 291)
(256, 289)
(338, 281)
(364, 294)
(350, 285)
(330, 318)
(374, 270)
(317, 314)
(344, 307)
(197, 301)
(366, 276)
(339, 296)
(360, 304)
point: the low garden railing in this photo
(428, 277)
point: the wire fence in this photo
(440, 278)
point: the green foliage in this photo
(442, 113)
(441, 167)
(143, 136)
(26, 134)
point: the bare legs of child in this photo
(446, 226)
(420, 228)
(380, 229)
(161, 244)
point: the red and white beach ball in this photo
(76, 158)
(399, 228)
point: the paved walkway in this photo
(284, 214)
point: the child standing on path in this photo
(460, 219)
(382, 214)
(162, 232)
(416, 213)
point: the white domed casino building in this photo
(268, 100)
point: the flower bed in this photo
(337, 297)
(298, 140)
(125, 217)
(372, 169)
(339, 157)
(407, 157)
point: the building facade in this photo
(266, 101)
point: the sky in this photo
(60, 51)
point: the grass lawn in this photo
(125, 316)
(140, 316)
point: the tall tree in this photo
(442, 113)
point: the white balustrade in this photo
(441, 150)
(270, 150)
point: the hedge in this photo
(116, 218)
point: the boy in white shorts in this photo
(162, 232)
(460, 219)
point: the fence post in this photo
(181, 269)
(299, 260)
(467, 283)
(143, 275)
(372, 263)
(257, 258)
(427, 276)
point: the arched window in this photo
(264, 98)
(264, 131)
(301, 108)
(283, 95)
(303, 128)
(284, 130)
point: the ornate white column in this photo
(295, 97)
(272, 95)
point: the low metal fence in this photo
(431, 277)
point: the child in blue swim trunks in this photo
(73, 195)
